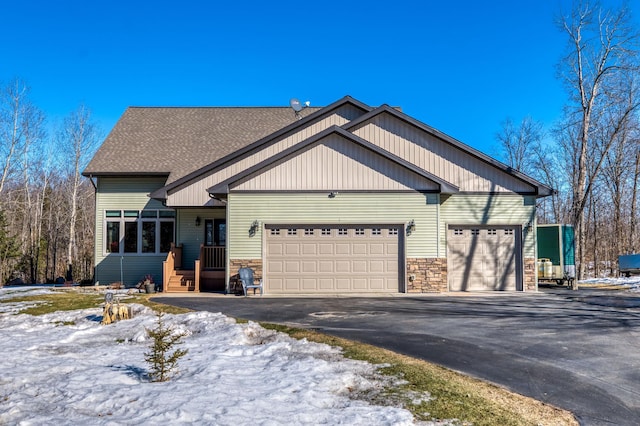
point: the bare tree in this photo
(15, 108)
(518, 142)
(79, 137)
(602, 49)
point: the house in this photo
(347, 198)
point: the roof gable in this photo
(441, 154)
(333, 160)
(338, 112)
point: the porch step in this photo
(183, 281)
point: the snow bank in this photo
(66, 368)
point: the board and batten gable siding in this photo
(438, 157)
(489, 209)
(337, 164)
(196, 194)
(120, 193)
(318, 208)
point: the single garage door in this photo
(332, 259)
(482, 258)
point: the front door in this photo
(215, 232)
(214, 262)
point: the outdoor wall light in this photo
(254, 228)
(197, 220)
(411, 227)
(333, 194)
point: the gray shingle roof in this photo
(178, 140)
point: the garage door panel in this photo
(324, 284)
(325, 249)
(360, 266)
(291, 267)
(291, 284)
(292, 249)
(309, 284)
(332, 259)
(308, 267)
(325, 267)
(343, 266)
(275, 248)
(343, 284)
(343, 248)
(377, 249)
(376, 267)
(309, 249)
(359, 249)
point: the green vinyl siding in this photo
(488, 209)
(125, 194)
(319, 208)
(191, 236)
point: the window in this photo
(508, 232)
(325, 231)
(376, 231)
(458, 232)
(359, 231)
(130, 237)
(275, 231)
(148, 237)
(393, 231)
(308, 231)
(492, 232)
(292, 231)
(113, 237)
(342, 231)
(139, 231)
(475, 232)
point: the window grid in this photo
(308, 231)
(138, 231)
(393, 231)
(342, 231)
(325, 231)
(376, 231)
(275, 231)
(359, 231)
(292, 231)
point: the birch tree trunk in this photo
(79, 135)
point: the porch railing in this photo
(212, 257)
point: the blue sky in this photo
(459, 66)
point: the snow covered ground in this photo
(631, 283)
(65, 368)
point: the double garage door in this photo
(332, 259)
(483, 258)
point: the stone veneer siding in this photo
(530, 283)
(426, 275)
(236, 264)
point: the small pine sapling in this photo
(163, 362)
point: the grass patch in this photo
(72, 299)
(456, 396)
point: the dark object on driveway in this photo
(15, 281)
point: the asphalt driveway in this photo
(576, 350)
